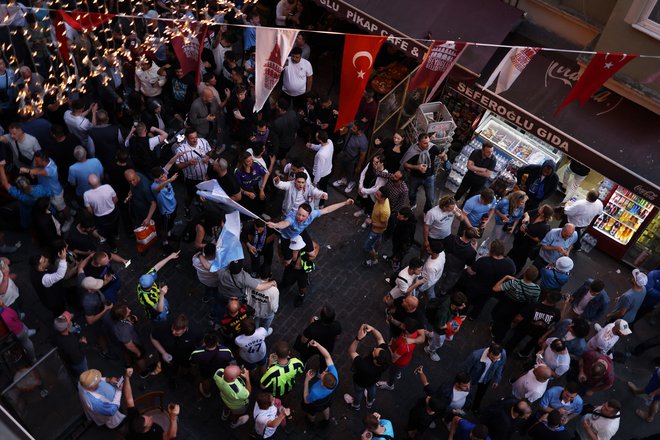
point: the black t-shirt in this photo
(69, 347)
(154, 433)
(229, 183)
(418, 418)
(210, 361)
(497, 418)
(537, 230)
(62, 155)
(365, 372)
(118, 181)
(81, 242)
(541, 316)
(392, 158)
(458, 254)
(179, 347)
(430, 170)
(489, 271)
(401, 315)
(324, 334)
(481, 162)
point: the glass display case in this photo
(623, 215)
(645, 252)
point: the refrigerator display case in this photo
(513, 149)
(624, 217)
(644, 253)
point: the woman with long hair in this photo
(508, 213)
(393, 149)
(252, 178)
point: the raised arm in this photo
(323, 351)
(173, 256)
(336, 206)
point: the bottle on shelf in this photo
(615, 228)
(608, 225)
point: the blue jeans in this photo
(110, 291)
(359, 394)
(429, 190)
(162, 316)
(264, 322)
(373, 240)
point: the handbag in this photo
(145, 236)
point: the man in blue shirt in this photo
(46, 171)
(296, 222)
(79, 172)
(318, 396)
(162, 189)
(479, 210)
(26, 194)
(565, 399)
(558, 242)
(462, 429)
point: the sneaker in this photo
(242, 420)
(370, 403)
(349, 400)
(385, 257)
(338, 183)
(435, 357)
(67, 225)
(270, 331)
(366, 223)
(201, 391)
(359, 213)
(369, 263)
(387, 280)
(383, 385)
(349, 187)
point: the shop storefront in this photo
(622, 165)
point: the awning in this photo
(482, 21)
(610, 134)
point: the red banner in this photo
(80, 21)
(599, 70)
(439, 60)
(188, 47)
(359, 54)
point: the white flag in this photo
(273, 47)
(511, 66)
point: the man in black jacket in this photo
(283, 130)
(541, 182)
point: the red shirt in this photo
(403, 349)
(591, 357)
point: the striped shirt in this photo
(280, 379)
(197, 171)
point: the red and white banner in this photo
(599, 70)
(511, 67)
(359, 54)
(188, 45)
(438, 61)
(80, 21)
(273, 47)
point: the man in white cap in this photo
(100, 398)
(606, 337)
(628, 304)
(555, 276)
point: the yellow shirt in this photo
(380, 214)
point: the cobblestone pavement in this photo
(356, 294)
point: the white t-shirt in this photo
(403, 281)
(604, 428)
(458, 399)
(206, 277)
(582, 212)
(528, 387)
(252, 348)
(261, 419)
(100, 200)
(322, 160)
(439, 222)
(294, 81)
(433, 271)
(578, 308)
(264, 303)
(78, 125)
(11, 294)
(558, 362)
(604, 340)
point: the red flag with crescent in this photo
(599, 70)
(438, 61)
(359, 54)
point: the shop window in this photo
(644, 15)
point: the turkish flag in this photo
(188, 44)
(359, 54)
(599, 70)
(80, 21)
(438, 61)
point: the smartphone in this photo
(128, 263)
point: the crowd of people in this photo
(83, 171)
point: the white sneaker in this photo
(66, 225)
(383, 385)
(270, 331)
(338, 183)
(359, 213)
(349, 187)
(432, 354)
(242, 420)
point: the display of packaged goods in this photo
(604, 188)
(623, 215)
(650, 235)
(525, 148)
